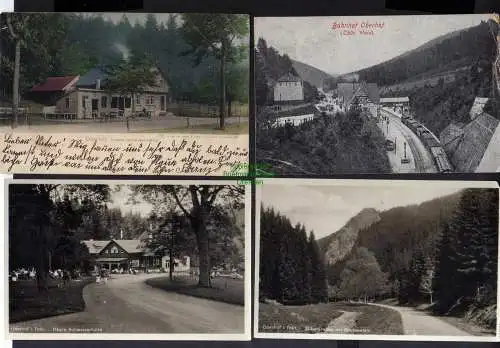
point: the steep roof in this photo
(289, 78)
(473, 144)
(131, 245)
(477, 107)
(491, 158)
(95, 246)
(90, 78)
(395, 100)
(451, 132)
(55, 84)
(348, 90)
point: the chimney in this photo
(98, 84)
(121, 233)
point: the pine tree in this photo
(319, 287)
(445, 270)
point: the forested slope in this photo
(70, 44)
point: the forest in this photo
(59, 44)
(270, 65)
(465, 48)
(415, 253)
(291, 268)
(48, 222)
(348, 143)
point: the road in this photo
(136, 126)
(419, 323)
(125, 304)
(421, 160)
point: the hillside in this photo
(453, 50)
(310, 74)
(337, 246)
(347, 143)
(442, 77)
(394, 235)
(271, 65)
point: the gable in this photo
(113, 249)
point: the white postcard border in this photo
(358, 183)
(245, 336)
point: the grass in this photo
(26, 303)
(226, 290)
(235, 128)
(296, 319)
(206, 111)
(316, 318)
(380, 321)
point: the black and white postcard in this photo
(384, 94)
(377, 260)
(128, 260)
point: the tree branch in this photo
(179, 203)
(11, 28)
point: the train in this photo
(430, 143)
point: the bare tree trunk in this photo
(203, 251)
(171, 258)
(222, 86)
(15, 86)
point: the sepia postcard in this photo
(377, 260)
(381, 94)
(133, 260)
(121, 73)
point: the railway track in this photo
(420, 153)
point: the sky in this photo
(326, 209)
(312, 40)
(120, 199)
(134, 17)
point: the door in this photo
(95, 107)
(162, 103)
(87, 107)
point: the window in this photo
(149, 100)
(67, 103)
(84, 99)
(128, 103)
(104, 101)
(114, 250)
(138, 99)
(114, 102)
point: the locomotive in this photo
(430, 143)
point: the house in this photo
(400, 105)
(365, 95)
(477, 107)
(52, 89)
(88, 97)
(289, 89)
(473, 147)
(131, 253)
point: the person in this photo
(104, 275)
(66, 277)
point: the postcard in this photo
(120, 73)
(378, 94)
(377, 260)
(128, 260)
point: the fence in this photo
(203, 110)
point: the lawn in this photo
(223, 289)
(25, 303)
(315, 318)
(235, 128)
